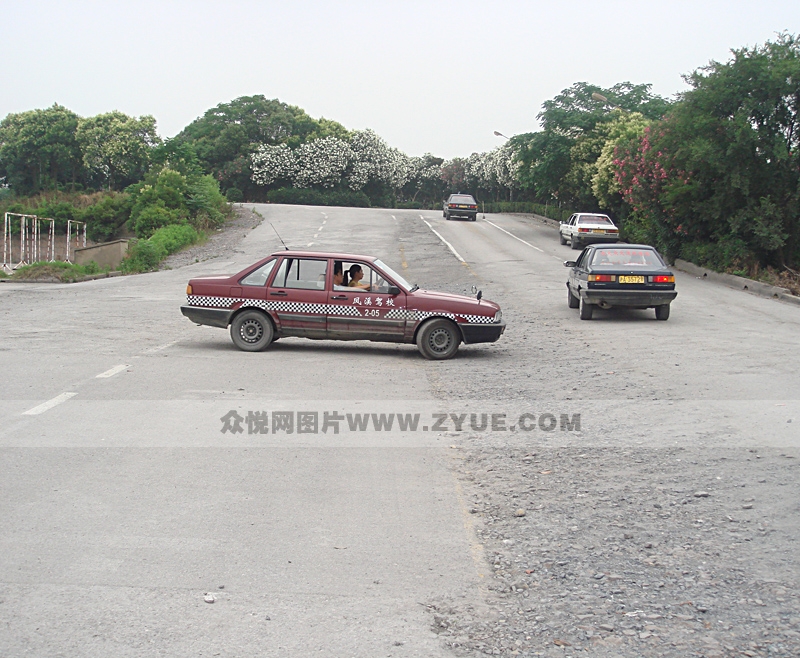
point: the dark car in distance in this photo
(332, 296)
(460, 205)
(622, 275)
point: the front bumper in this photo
(640, 298)
(213, 317)
(481, 333)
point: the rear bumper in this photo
(481, 333)
(213, 317)
(596, 238)
(461, 212)
(641, 298)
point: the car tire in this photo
(662, 312)
(438, 339)
(572, 300)
(252, 331)
(585, 309)
(561, 238)
(474, 218)
(576, 244)
(447, 216)
(444, 214)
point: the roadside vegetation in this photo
(56, 271)
(711, 176)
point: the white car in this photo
(584, 228)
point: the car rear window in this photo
(462, 198)
(618, 257)
(594, 219)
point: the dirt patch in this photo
(220, 243)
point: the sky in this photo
(428, 77)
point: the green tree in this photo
(225, 136)
(39, 150)
(117, 148)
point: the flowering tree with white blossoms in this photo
(322, 163)
(273, 163)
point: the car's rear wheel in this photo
(585, 309)
(438, 339)
(561, 238)
(572, 300)
(662, 312)
(576, 244)
(447, 216)
(252, 331)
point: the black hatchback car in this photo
(460, 205)
(628, 275)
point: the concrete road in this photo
(123, 503)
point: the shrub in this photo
(143, 256)
(105, 218)
(174, 237)
(152, 218)
(310, 197)
(234, 195)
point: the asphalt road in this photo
(123, 504)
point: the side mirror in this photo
(569, 263)
(394, 290)
(479, 295)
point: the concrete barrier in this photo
(106, 254)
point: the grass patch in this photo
(57, 272)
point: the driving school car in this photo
(338, 297)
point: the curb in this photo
(90, 277)
(737, 282)
(527, 215)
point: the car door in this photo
(578, 277)
(298, 297)
(377, 314)
(565, 227)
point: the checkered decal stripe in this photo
(337, 309)
(290, 307)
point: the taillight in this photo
(602, 277)
(612, 230)
(473, 207)
(453, 205)
(189, 290)
(662, 278)
(584, 230)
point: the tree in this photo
(117, 148)
(39, 149)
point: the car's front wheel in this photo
(572, 300)
(438, 339)
(585, 309)
(662, 312)
(251, 331)
(561, 238)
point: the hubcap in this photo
(251, 331)
(440, 340)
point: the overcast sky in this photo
(435, 77)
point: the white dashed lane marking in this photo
(41, 408)
(113, 371)
(500, 228)
(446, 243)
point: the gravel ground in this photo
(220, 244)
(637, 552)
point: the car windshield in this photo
(618, 257)
(594, 219)
(462, 198)
(394, 275)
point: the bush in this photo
(552, 212)
(206, 203)
(308, 197)
(175, 237)
(105, 218)
(408, 205)
(57, 271)
(143, 256)
(234, 195)
(152, 218)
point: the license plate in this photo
(462, 206)
(631, 279)
(598, 230)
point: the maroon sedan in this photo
(338, 297)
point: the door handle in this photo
(339, 297)
(279, 294)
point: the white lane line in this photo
(513, 236)
(309, 244)
(113, 371)
(40, 409)
(447, 244)
(158, 348)
(316, 234)
(324, 221)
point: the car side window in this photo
(572, 220)
(581, 259)
(301, 274)
(259, 276)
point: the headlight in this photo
(498, 317)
